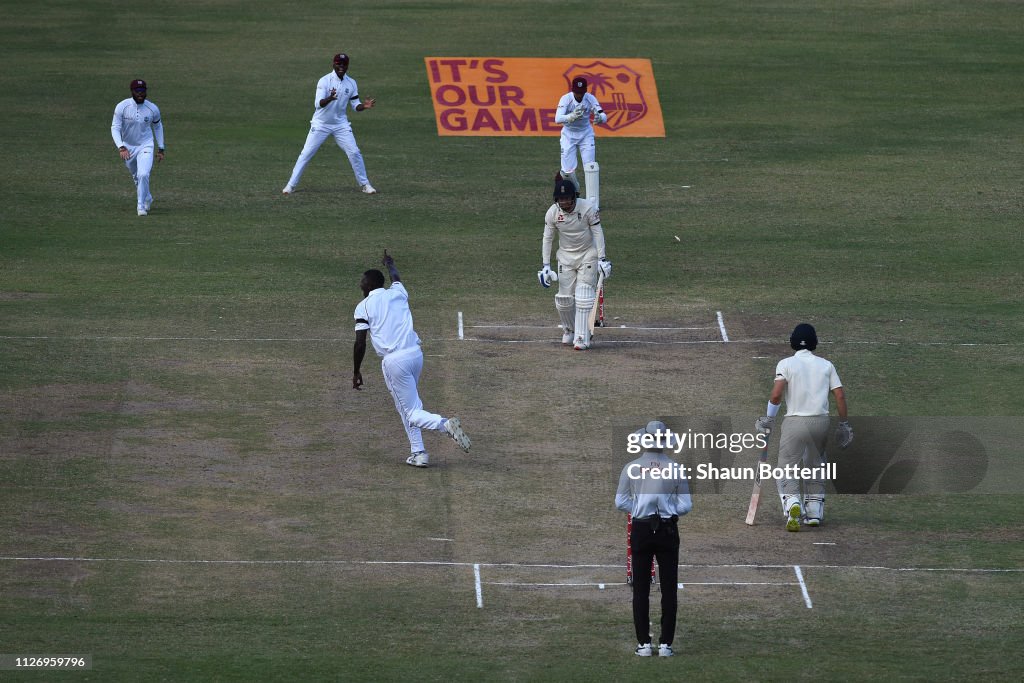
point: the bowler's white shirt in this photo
(334, 114)
(809, 380)
(389, 319)
(134, 124)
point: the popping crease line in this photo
(302, 340)
(432, 563)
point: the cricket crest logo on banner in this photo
(518, 96)
(616, 87)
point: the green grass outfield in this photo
(176, 410)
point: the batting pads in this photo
(586, 295)
(592, 172)
(565, 305)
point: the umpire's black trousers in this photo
(655, 538)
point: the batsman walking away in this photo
(805, 381)
(384, 315)
(581, 257)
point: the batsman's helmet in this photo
(803, 337)
(564, 188)
(579, 84)
(342, 59)
(137, 84)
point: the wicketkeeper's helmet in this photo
(803, 337)
(579, 84)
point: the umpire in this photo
(654, 490)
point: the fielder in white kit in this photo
(385, 315)
(135, 126)
(575, 111)
(581, 258)
(334, 93)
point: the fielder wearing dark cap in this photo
(656, 503)
(805, 381)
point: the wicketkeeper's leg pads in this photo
(592, 172)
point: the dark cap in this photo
(564, 188)
(138, 84)
(341, 58)
(579, 84)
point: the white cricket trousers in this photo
(570, 142)
(140, 165)
(401, 370)
(345, 139)
(803, 443)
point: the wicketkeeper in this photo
(581, 259)
(805, 381)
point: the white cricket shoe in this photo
(148, 204)
(288, 189)
(793, 523)
(454, 428)
(418, 459)
(665, 650)
(567, 338)
(812, 521)
(643, 650)
(142, 211)
(369, 189)
(580, 345)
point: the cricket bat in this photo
(755, 496)
(598, 305)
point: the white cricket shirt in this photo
(334, 114)
(389, 319)
(809, 380)
(567, 104)
(135, 124)
(578, 230)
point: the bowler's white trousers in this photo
(401, 370)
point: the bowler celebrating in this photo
(136, 123)
(385, 315)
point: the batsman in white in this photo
(384, 315)
(579, 111)
(334, 93)
(804, 381)
(581, 257)
(135, 127)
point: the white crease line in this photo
(431, 563)
(301, 340)
(803, 586)
(721, 327)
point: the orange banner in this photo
(495, 96)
